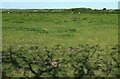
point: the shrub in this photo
(82, 61)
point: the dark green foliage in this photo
(82, 61)
(104, 8)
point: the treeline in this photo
(73, 10)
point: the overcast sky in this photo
(59, 4)
(59, 0)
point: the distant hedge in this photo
(73, 10)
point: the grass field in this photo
(48, 30)
(57, 28)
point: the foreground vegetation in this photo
(60, 45)
(82, 61)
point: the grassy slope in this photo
(57, 28)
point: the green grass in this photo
(59, 28)
(79, 42)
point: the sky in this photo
(59, 4)
(59, 0)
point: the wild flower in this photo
(54, 64)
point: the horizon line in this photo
(60, 8)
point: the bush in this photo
(82, 61)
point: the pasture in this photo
(58, 28)
(84, 42)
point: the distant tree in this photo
(104, 8)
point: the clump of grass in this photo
(65, 21)
(84, 18)
(72, 30)
(6, 19)
(19, 21)
(39, 30)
